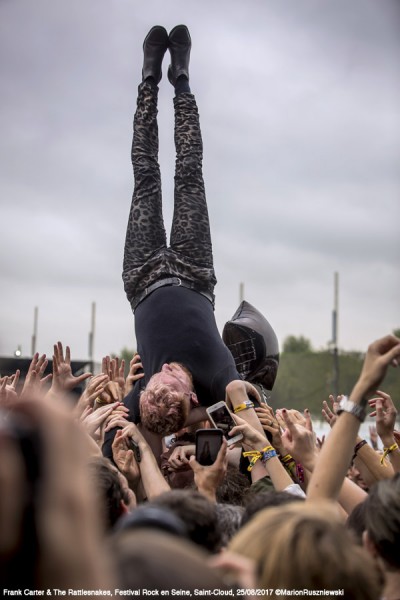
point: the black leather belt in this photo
(170, 281)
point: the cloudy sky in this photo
(300, 112)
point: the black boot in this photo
(154, 48)
(179, 47)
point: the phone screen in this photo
(222, 419)
(208, 444)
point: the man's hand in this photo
(96, 421)
(328, 413)
(94, 388)
(299, 439)
(134, 367)
(385, 413)
(34, 379)
(379, 356)
(180, 457)
(124, 458)
(252, 439)
(63, 378)
(208, 478)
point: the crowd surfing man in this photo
(171, 288)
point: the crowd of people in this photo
(102, 493)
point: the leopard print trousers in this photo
(146, 256)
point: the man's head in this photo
(165, 402)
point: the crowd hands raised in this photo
(303, 513)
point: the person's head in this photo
(270, 498)
(112, 488)
(198, 514)
(356, 522)
(354, 475)
(229, 520)
(382, 522)
(234, 487)
(304, 545)
(165, 402)
(150, 559)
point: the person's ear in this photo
(193, 399)
(369, 544)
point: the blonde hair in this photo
(306, 546)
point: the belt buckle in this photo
(179, 281)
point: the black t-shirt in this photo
(176, 324)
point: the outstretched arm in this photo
(337, 450)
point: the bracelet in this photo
(100, 402)
(387, 451)
(268, 454)
(256, 455)
(300, 472)
(287, 459)
(357, 448)
(244, 406)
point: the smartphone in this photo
(221, 417)
(208, 443)
(133, 445)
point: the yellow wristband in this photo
(387, 451)
(256, 455)
(288, 458)
(244, 406)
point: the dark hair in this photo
(108, 486)
(157, 560)
(257, 502)
(382, 519)
(229, 521)
(198, 514)
(234, 487)
(356, 522)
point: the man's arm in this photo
(236, 395)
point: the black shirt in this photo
(176, 324)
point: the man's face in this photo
(174, 376)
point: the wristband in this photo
(244, 406)
(256, 455)
(357, 448)
(387, 451)
(268, 454)
(287, 459)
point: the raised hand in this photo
(34, 379)
(63, 378)
(8, 387)
(385, 413)
(93, 390)
(208, 478)
(380, 354)
(328, 413)
(135, 373)
(125, 460)
(299, 439)
(94, 422)
(270, 423)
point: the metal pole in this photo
(241, 292)
(91, 333)
(335, 317)
(34, 335)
